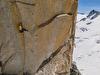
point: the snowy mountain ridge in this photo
(92, 15)
(87, 40)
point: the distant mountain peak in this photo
(94, 11)
(93, 14)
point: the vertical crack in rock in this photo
(19, 26)
(74, 6)
(46, 61)
(23, 3)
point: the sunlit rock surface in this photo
(36, 36)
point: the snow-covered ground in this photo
(87, 39)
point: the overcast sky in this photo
(87, 5)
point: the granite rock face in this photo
(36, 36)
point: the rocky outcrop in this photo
(74, 70)
(93, 14)
(36, 36)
